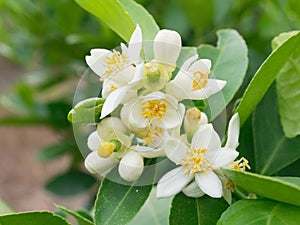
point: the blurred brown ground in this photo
(21, 176)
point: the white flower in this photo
(197, 161)
(119, 72)
(157, 109)
(192, 81)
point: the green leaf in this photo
(53, 151)
(288, 86)
(277, 188)
(281, 38)
(260, 212)
(4, 208)
(70, 183)
(33, 218)
(139, 15)
(265, 76)
(273, 150)
(80, 219)
(121, 16)
(196, 211)
(229, 63)
(87, 111)
(118, 204)
(154, 212)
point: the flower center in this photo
(153, 134)
(241, 164)
(200, 80)
(115, 63)
(154, 109)
(195, 162)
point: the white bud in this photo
(131, 166)
(167, 47)
(96, 164)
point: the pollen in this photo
(154, 109)
(241, 164)
(152, 134)
(115, 63)
(113, 87)
(195, 162)
(200, 80)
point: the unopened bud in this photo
(107, 148)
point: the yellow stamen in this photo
(241, 164)
(200, 80)
(115, 63)
(154, 109)
(113, 87)
(196, 162)
(154, 132)
(106, 149)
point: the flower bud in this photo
(96, 164)
(167, 47)
(131, 166)
(107, 148)
(193, 119)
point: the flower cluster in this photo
(143, 116)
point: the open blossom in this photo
(193, 82)
(118, 71)
(198, 163)
(157, 109)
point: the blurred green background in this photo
(46, 41)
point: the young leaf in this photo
(273, 150)
(4, 208)
(122, 16)
(288, 86)
(265, 76)
(260, 211)
(196, 211)
(80, 219)
(276, 188)
(229, 63)
(33, 218)
(117, 203)
(70, 183)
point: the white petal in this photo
(136, 119)
(172, 182)
(210, 184)
(148, 152)
(224, 157)
(96, 60)
(175, 149)
(94, 141)
(233, 132)
(167, 47)
(156, 95)
(139, 72)
(131, 166)
(204, 119)
(186, 65)
(193, 190)
(206, 137)
(113, 101)
(179, 89)
(135, 45)
(200, 65)
(110, 124)
(170, 120)
(96, 164)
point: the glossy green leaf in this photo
(281, 38)
(196, 211)
(33, 218)
(273, 150)
(70, 183)
(121, 16)
(80, 219)
(288, 91)
(87, 111)
(229, 63)
(265, 76)
(155, 211)
(4, 208)
(139, 15)
(260, 212)
(118, 204)
(277, 188)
